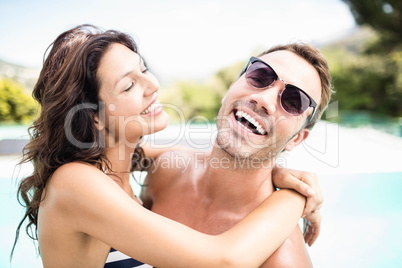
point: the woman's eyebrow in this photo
(121, 77)
(130, 71)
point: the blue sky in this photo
(179, 39)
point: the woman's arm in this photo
(103, 210)
(306, 183)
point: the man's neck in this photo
(234, 183)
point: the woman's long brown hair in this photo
(67, 82)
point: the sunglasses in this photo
(294, 100)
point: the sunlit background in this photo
(190, 39)
(196, 49)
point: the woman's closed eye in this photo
(129, 86)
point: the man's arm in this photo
(292, 253)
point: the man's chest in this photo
(191, 211)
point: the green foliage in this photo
(384, 16)
(366, 82)
(228, 75)
(370, 77)
(190, 100)
(15, 104)
(187, 99)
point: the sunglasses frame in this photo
(252, 60)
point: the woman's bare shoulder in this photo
(76, 177)
(75, 185)
(76, 166)
(76, 170)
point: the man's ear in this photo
(297, 139)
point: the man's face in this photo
(252, 123)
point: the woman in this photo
(97, 100)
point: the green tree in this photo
(192, 99)
(384, 16)
(365, 81)
(368, 76)
(226, 76)
(15, 104)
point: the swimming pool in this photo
(362, 216)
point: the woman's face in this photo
(130, 95)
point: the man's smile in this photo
(248, 122)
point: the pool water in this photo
(11, 213)
(13, 132)
(362, 216)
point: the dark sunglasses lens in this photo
(294, 101)
(259, 75)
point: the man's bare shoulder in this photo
(171, 170)
(175, 163)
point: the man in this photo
(271, 107)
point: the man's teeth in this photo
(260, 130)
(151, 108)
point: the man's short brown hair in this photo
(313, 56)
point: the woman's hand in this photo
(306, 183)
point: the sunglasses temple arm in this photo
(245, 68)
(312, 116)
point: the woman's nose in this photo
(151, 84)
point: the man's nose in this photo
(268, 99)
